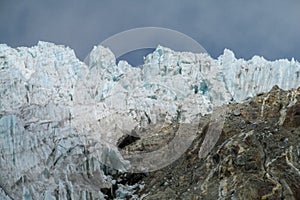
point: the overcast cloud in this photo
(268, 28)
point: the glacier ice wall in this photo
(245, 79)
(43, 156)
(61, 119)
(176, 86)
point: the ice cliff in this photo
(60, 119)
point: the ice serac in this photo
(60, 119)
(171, 86)
(175, 86)
(245, 79)
(43, 155)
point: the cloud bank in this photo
(267, 28)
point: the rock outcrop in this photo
(256, 157)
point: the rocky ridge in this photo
(256, 157)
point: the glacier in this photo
(60, 119)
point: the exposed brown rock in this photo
(256, 157)
(292, 116)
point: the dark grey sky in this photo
(268, 28)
